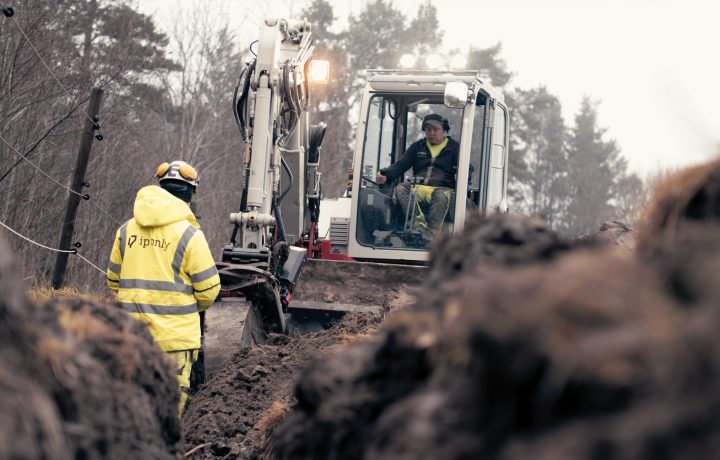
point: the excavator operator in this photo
(161, 267)
(434, 161)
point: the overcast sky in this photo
(652, 64)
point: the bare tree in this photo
(48, 63)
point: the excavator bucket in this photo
(325, 292)
(344, 286)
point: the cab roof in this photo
(427, 81)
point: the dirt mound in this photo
(80, 380)
(614, 234)
(507, 239)
(538, 353)
(690, 195)
(231, 415)
(679, 232)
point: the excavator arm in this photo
(261, 264)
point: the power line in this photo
(120, 157)
(104, 211)
(8, 12)
(72, 100)
(37, 143)
(83, 196)
(72, 251)
(140, 175)
(96, 267)
(87, 197)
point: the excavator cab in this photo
(386, 225)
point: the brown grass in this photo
(267, 424)
(43, 294)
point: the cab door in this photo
(495, 196)
(485, 136)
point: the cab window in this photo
(388, 216)
(496, 176)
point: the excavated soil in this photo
(526, 347)
(230, 416)
(522, 345)
(234, 413)
(81, 380)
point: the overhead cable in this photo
(71, 251)
(72, 100)
(84, 196)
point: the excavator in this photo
(284, 267)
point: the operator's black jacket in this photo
(437, 172)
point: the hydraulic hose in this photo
(239, 108)
(293, 109)
(317, 133)
(235, 101)
(279, 222)
(290, 181)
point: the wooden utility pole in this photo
(93, 112)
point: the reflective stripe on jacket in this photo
(162, 269)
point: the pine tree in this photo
(329, 102)
(594, 166)
(538, 136)
(375, 38)
(490, 65)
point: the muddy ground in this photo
(520, 345)
(80, 379)
(231, 415)
(523, 345)
(234, 414)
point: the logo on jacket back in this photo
(145, 242)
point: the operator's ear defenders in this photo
(446, 125)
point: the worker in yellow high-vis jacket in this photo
(162, 269)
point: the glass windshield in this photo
(415, 196)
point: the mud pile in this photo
(529, 348)
(615, 234)
(231, 415)
(685, 199)
(80, 380)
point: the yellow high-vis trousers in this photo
(183, 360)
